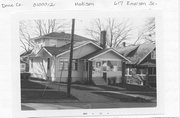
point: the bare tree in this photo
(117, 31)
(147, 33)
(47, 26)
(35, 28)
(25, 36)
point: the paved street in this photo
(91, 97)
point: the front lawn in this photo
(122, 97)
(36, 92)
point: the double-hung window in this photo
(31, 63)
(64, 64)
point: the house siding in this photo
(39, 69)
(80, 74)
(77, 75)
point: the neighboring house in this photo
(92, 62)
(23, 66)
(142, 69)
(24, 61)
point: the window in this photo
(152, 71)
(64, 63)
(98, 64)
(48, 63)
(31, 63)
(75, 64)
(130, 71)
(61, 65)
(141, 71)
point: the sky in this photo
(82, 24)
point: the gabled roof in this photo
(102, 51)
(62, 36)
(57, 51)
(136, 53)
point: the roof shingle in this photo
(58, 50)
(63, 36)
(136, 52)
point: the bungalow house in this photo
(92, 61)
(142, 69)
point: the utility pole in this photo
(70, 60)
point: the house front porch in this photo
(104, 67)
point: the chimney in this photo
(124, 44)
(103, 39)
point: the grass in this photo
(35, 92)
(131, 87)
(28, 84)
(122, 98)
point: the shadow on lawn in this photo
(35, 93)
(28, 84)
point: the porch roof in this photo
(101, 52)
(149, 64)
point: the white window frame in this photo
(65, 64)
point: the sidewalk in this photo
(86, 93)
